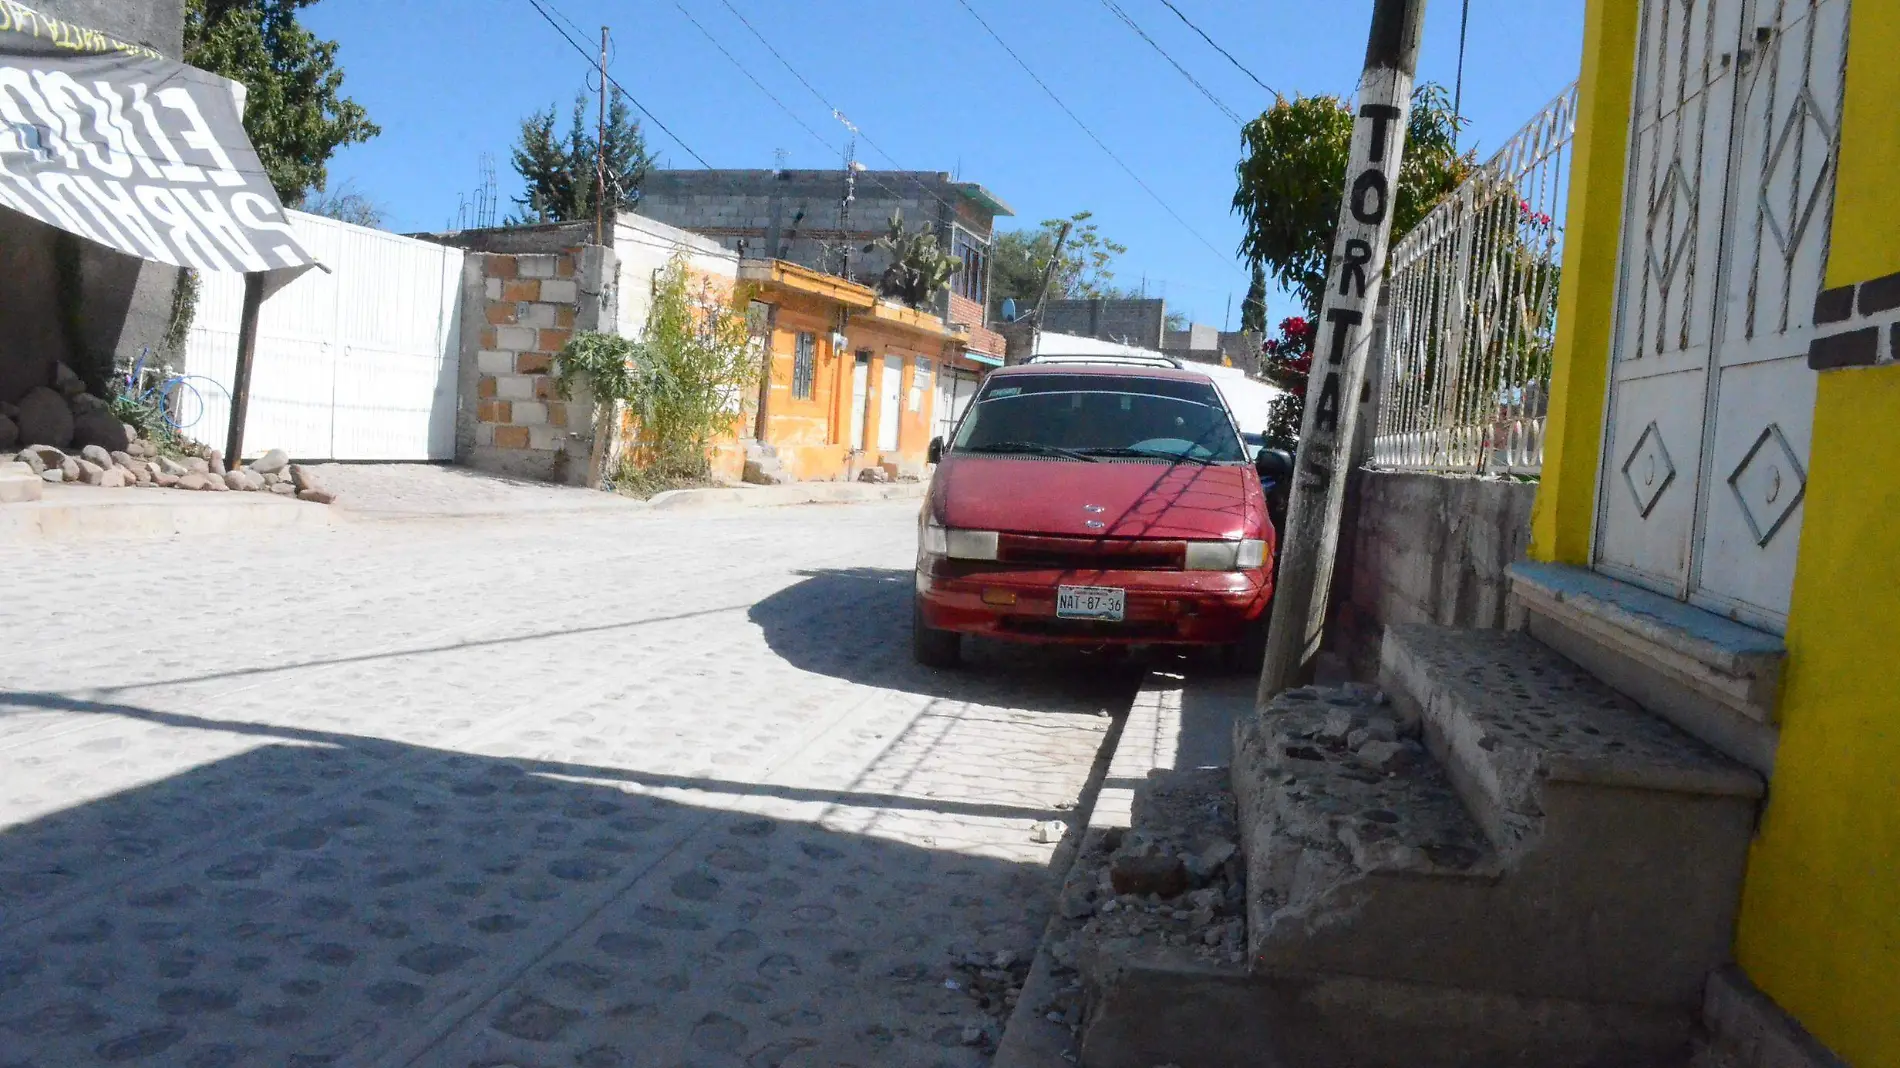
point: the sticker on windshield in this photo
(1004, 391)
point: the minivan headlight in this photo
(960, 544)
(1224, 555)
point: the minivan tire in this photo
(931, 647)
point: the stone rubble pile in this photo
(994, 980)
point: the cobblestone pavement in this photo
(600, 789)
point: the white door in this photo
(890, 411)
(954, 389)
(860, 397)
(1726, 215)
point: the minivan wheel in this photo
(931, 647)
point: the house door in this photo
(890, 410)
(954, 389)
(860, 397)
(1729, 196)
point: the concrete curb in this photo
(794, 493)
(82, 513)
(1155, 735)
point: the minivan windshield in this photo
(1101, 417)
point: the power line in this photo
(1458, 92)
(821, 98)
(1129, 21)
(1230, 56)
(1099, 143)
(615, 82)
(870, 176)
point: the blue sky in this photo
(450, 79)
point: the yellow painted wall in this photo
(1565, 511)
(1820, 925)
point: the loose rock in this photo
(32, 459)
(9, 432)
(97, 455)
(113, 478)
(284, 489)
(271, 462)
(1047, 831)
(98, 426)
(90, 473)
(215, 462)
(318, 496)
(197, 480)
(45, 417)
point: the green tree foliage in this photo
(559, 170)
(346, 204)
(1019, 258)
(294, 110)
(1253, 310)
(1293, 172)
(919, 266)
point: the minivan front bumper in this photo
(1162, 607)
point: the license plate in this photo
(1090, 602)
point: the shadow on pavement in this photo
(1045, 677)
(330, 899)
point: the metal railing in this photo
(1473, 288)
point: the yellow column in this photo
(1820, 922)
(1586, 304)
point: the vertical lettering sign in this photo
(117, 144)
(1355, 275)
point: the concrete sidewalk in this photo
(66, 513)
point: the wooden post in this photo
(1354, 284)
(246, 357)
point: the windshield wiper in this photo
(1029, 446)
(1152, 454)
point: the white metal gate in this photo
(356, 364)
(1733, 143)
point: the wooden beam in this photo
(246, 357)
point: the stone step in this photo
(1620, 840)
(1343, 815)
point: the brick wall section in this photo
(531, 305)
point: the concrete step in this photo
(1621, 840)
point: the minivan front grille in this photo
(1090, 554)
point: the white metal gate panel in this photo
(356, 364)
(890, 410)
(1726, 212)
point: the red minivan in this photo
(1096, 501)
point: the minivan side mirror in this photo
(1274, 465)
(935, 453)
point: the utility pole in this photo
(850, 190)
(1355, 278)
(600, 151)
(1042, 294)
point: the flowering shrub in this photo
(1286, 362)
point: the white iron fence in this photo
(355, 364)
(1466, 374)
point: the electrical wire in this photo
(829, 106)
(1128, 20)
(594, 62)
(1216, 46)
(1099, 143)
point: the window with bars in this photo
(969, 281)
(805, 366)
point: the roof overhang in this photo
(792, 278)
(922, 322)
(984, 199)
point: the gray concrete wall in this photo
(124, 303)
(793, 215)
(1421, 548)
(1135, 321)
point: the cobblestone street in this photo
(603, 788)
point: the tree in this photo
(560, 170)
(1019, 258)
(1294, 170)
(919, 266)
(294, 110)
(344, 203)
(1253, 309)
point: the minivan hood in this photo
(1025, 495)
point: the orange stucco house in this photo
(854, 381)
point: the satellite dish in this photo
(1009, 309)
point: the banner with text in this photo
(148, 156)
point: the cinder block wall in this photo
(512, 419)
(1423, 548)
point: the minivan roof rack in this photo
(1122, 359)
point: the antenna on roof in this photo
(778, 161)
